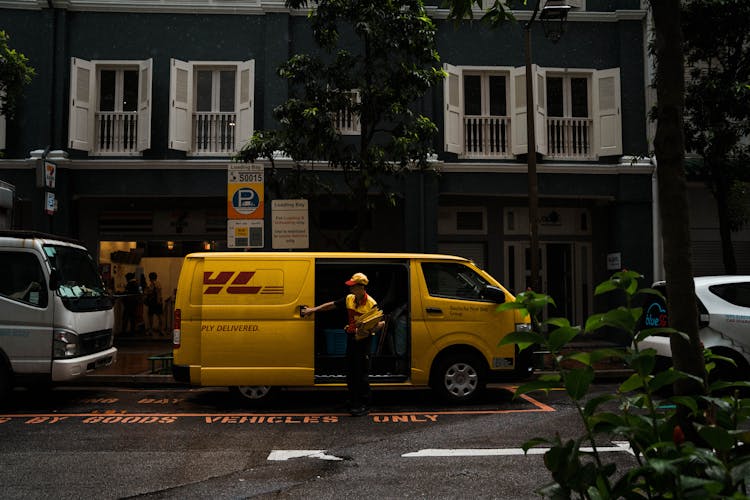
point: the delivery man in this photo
(364, 319)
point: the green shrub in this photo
(684, 446)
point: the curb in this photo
(126, 380)
(610, 374)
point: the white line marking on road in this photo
(281, 455)
(621, 446)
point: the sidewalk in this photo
(140, 359)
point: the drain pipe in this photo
(658, 247)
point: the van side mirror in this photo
(494, 294)
(54, 279)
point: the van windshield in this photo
(80, 286)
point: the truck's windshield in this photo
(80, 286)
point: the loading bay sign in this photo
(290, 224)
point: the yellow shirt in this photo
(355, 309)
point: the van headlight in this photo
(64, 344)
(523, 327)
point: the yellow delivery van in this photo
(238, 324)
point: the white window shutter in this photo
(245, 94)
(2, 124)
(82, 104)
(540, 120)
(518, 111)
(145, 71)
(180, 105)
(453, 97)
(606, 112)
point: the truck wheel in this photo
(459, 379)
(252, 393)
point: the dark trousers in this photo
(358, 360)
(129, 319)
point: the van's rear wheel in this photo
(252, 393)
(459, 379)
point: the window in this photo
(479, 100)
(80, 287)
(453, 281)
(211, 109)
(734, 293)
(110, 106)
(23, 280)
(486, 110)
(569, 125)
(577, 112)
(347, 121)
(462, 220)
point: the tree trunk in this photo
(669, 145)
(721, 194)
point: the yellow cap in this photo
(357, 279)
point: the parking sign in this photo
(245, 192)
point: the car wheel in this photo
(459, 379)
(727, 371)
(252, 393)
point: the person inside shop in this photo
(359, 306)
(154, 304)
(130, 301)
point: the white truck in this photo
(56, 318)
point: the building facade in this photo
(140, 106)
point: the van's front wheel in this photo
(252, 393)
(459, 379)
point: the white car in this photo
(724, 322)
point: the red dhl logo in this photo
(235, 282)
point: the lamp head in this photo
(554, 14)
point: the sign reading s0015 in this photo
(248, 177)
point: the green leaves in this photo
(522, 339)
(373, 62)
(15, 73)
(687, 446)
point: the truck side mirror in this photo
(54, 279)
(494, 294)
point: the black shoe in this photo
(359, 411)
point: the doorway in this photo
(565, 273)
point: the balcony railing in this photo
(487, 137)
(214, 133)
(116, 132)
(347, 122)
(569, 138)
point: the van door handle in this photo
(434, 310)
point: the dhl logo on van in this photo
(236, 282)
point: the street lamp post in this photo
(553, 16)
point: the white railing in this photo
(347, 122)
(214, 133)
(487, 137)
(116, 132)
(570, 138)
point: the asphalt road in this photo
(93, 442)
